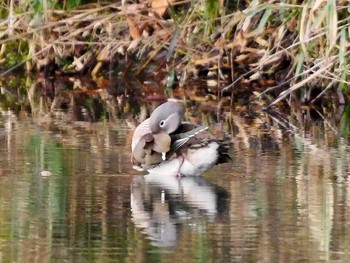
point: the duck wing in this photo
(178, 140)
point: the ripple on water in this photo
(281, 199)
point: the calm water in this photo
(283, 198)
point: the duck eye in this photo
(162, 123)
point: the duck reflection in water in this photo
(164, 144)
(162, 205)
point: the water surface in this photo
(68, 193)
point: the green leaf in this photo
(72, 4)
(342, 48)
(300, 63)
(332, 23)
(264, 19)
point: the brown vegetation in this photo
(296, 49)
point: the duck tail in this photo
(223, 151)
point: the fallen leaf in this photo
(159, 6)
(104, 53)
(243, 57)
(134, 31)
(239, 40)
(261, 41)
(103, 83)
(204, 61)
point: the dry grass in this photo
(286, 48)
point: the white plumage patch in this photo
(140, 131)
(199, 160)
(194, 162)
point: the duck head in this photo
(166, 118)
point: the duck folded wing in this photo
(185, 136)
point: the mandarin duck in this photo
(163, 143)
